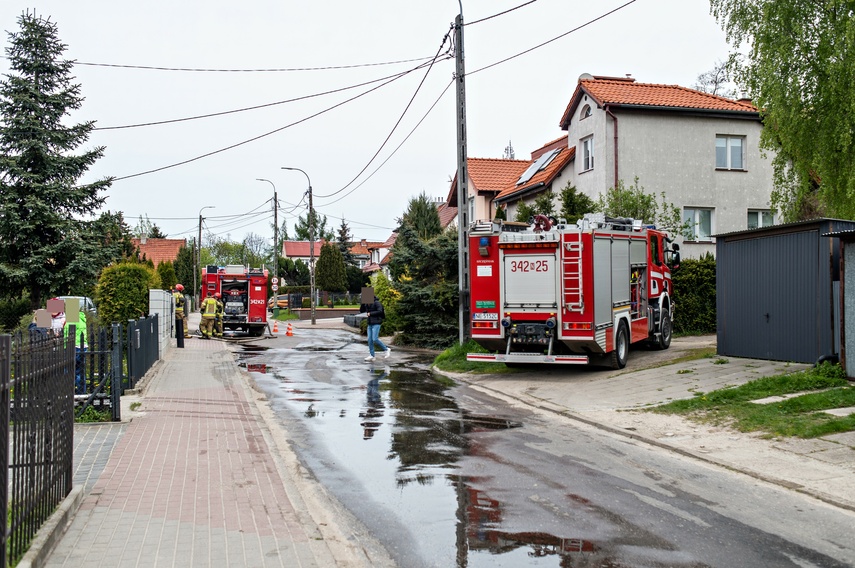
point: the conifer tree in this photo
(43, 208)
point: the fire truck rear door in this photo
(530, 280)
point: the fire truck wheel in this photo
(664, 339)
(621, 351)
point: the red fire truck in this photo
(244, 296)
(569, 293)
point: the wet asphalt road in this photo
(445, 476)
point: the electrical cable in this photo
(472, 23)
(547, 42)
(256, 107)
(397, 123)
(214, 152)
(271, 70)
(398, 147)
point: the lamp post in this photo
(275, 229)
(311, 242)
(198, 262)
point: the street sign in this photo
(274, 287)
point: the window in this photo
(760, 218)
(588, 154)
(586, 112)
(728, 152)
(699, 223)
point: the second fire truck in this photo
(569, 293)
(243, 292)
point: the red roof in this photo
(159, 250)
(446, 214)
(543, 177)
(626, 92)
(488, 175)
(363, 247)
(300, 249)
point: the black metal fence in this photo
(143, 347)
(36, 434)
(44, 381)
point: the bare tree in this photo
(716, 81)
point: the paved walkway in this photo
(196, 479)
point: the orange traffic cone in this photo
(289, 332)
(275, 326)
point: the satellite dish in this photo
(585, 77)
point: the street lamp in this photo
(311, 242)
(275, 229)
(198, 261)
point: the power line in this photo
(472, 23)
(398, 147)
(266, 133)
(256, 107)
(397, 123)
(547, 42)
(268, 70)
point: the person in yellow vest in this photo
(180, 314)
(209, 312)
(218, 318)
(79, 350)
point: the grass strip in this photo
(800, 416)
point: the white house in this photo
(701, 150)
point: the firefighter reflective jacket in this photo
(209, 307)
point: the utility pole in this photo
(311, 241)
(275, 229)
(198, 260)
(462, 184)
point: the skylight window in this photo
(539, 164)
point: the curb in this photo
(52, 530)
(563, 412)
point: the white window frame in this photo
(587, 145)
(729, 142)
(586, 112)
(765, 218)
(694, 216)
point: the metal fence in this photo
(98, 381)
(44, 382)
(36, 434)
(143, 347)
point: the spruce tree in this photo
(345, 240)
(41, 203)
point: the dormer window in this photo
(586, 112)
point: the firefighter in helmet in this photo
(180, 313)
(209, 312)
(218, 317)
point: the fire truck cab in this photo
(244, 296)
(552, 292)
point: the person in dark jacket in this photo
(376, 315)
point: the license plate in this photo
(485, 316)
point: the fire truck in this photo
(244, 296)
(551, 292)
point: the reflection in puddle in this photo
(404, 446)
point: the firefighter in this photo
(178, 295)
(209, 312)
(218, 317)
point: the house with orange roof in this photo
(380, 256)
(158, 250)
(487, 178)
(361, 251)
(701, 150)
(300, 250)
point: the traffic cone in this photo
(290, 331)
(275, 326)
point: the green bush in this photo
(694, 295)
(122, 292)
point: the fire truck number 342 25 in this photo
(529, 266)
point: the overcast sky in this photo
(519, 101)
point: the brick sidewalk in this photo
(193, 481)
